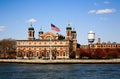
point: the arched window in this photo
(57, 53)
(30, 34)
(47, 54)
(63, 53)
(31, 54)
(20, 54)
(37, 54)
(68, 33)
(42, 53)
(48, 38)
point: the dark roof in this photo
(40, 32)
(68, 27)
(31, 27)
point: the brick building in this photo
(106, 45)
(101, 45)
(48, 45)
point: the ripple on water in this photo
(59, 71)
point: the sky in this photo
(100, 16)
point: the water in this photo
(59, 71)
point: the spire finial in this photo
(40, 29)
(30, 23)
(68, 23)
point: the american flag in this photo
(53, 27)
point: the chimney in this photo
(99, 40)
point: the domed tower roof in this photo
(31, 27)
(68, 27)
(40, 32)
(73, 31)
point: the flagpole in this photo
(50, 47)
(55, 28)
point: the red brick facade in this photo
(48, 45)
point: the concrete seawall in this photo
(37, 61)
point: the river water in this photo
(59, 71)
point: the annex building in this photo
(48, 45)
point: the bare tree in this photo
(7, 47)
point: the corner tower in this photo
(74, 39)
(68, 32)
(74, 34)
(31, 33)
(40, 33)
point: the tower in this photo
(31, 33)
(73, 32)
(99, 40)
(68, 32)
(40, 33)
(91, 37)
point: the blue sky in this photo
(100, 16)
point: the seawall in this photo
(38, 61)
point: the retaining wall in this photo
(38, 61)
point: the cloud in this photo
(106, 2)
(91, 11)
(101, 11)
(2, 28)
(32, 20)
(103, 18)
(105, 11)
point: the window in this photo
(58, 53)
(68, 33)
(30, 34)
(63, 53)
(48, 37)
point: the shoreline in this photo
(70, 61)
